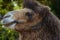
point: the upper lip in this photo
(6, 22)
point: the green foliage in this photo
(54, 5)
(7, 34)
(6, 6)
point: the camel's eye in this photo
(29, 15)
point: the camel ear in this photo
(31, 4)
(44, 11)
(36, 7)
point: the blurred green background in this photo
(9, 5)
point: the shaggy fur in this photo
(38, 22)
(47, 29)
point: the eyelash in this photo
(29, 15)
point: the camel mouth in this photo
(8, 24)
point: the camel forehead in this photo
(25, 10)
(19, 11)
(17, 14)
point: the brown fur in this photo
(43, 25)
(45, 29)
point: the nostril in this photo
(7, 16)
(7, 20)
(3, 22)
